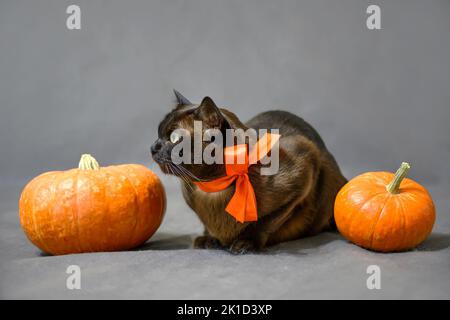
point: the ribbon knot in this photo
(242, 205)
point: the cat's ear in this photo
(181, 100)
(208, 111)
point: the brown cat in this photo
(295, 202)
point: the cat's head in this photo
(178, 126)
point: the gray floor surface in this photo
(166, 267)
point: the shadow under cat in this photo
(167, 241)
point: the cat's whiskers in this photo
(188, 173)
(182, 175)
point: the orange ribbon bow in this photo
(242, 205)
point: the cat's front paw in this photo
(206, 242)
(242, 246)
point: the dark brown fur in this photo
(296, 202)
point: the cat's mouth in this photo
(168, 168)
(165, 165)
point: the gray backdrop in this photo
(377, 97)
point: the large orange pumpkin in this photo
(92, 208)
(384, 212)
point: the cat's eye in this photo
(175, 137)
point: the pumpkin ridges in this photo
(39, 239)
(424, 221)
(76, 218)
(53, 185)
(87, 182)
(48, 214)
(136, 206)
(159, 194)
(416, 193)
(353, 218)
(404, 217)
(141, 207)
(98, 198)
(385, 231)
(417, 233)
(123, 200)
(71, 197)
(77, 237)
(55, 210)
(407, 224)
(110, 195)
(359, 219)
(142, 182)
(345, 220)
(377, 220)
(417, 197)
(108, 216)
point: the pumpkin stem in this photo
(88, 162)
(394, 186)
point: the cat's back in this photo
(288, 124)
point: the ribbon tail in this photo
(251, 212)
(236, 207)
(242, 205)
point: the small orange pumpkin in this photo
(384, 212)
(92, 208)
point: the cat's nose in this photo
(156, 147)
